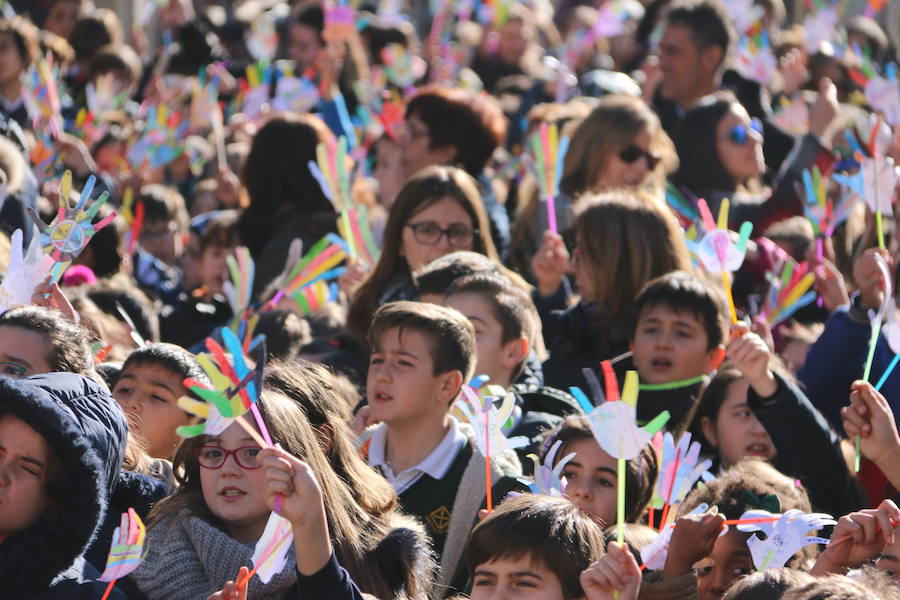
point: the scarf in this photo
(193, 559)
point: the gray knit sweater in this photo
(192, 559)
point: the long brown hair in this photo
(627, 240)
(353, 530)
(423, 189)
(313, 387)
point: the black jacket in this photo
(86, 431)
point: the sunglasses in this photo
(740, 134)
(632, 153)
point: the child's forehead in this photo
(403, 339)
(525, 560)
(151, 370)
(667, 312)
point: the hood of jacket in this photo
(86, 431)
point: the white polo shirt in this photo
(435, 464)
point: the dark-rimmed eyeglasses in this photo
(740, 134)
(213, 457)
(459, 235)
(632, 153)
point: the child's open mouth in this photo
(382, 397)
(232, 493)
(661, 364)
(757, 450)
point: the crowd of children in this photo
(541, 300)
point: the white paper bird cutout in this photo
(784, 537)
(27, 269)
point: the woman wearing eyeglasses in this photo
(720, 151)
(620, 144)
(438, 211)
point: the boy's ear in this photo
(715, 358)
(514, 352)
(451, 383)
(709, 431)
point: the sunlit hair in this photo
(627, 240)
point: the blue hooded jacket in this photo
(86, 431)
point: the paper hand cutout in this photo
(26, 271)
(716, 250)
(297, 94)
(789, 285)
(340, 23)
(680, 469)
(234, 386)
(784, 538)
(653, 555)
(755, 59)
(330, 170)
(819, 25)
(614, 427)
(547, 152)
(239, 289)
(127, 547)
(874, 183)
(68, 234)
(746, 14)
(883, 94)
(271, 552)
(547, 478)
(487, 420)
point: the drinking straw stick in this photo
(728, 295)
(887, 373)
(620, 501)
(876, 328)
(109, 589)
(252, 432)
(487, 457)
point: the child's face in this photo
(730, 560)
(401, 385)
(889, 561)
(212, 266)
(737, 433)
(61, 18)
(515, 579)
(163, 240)
(22, 352)
(11, 64)
(148, 393)
(496, 359)
(24, 456)
(591, 479)
(671, 346)
(232, 492)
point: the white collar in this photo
(435, 464)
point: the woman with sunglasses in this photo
(720, 151)
(199, 538)
(620, 144)
(438, 211)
